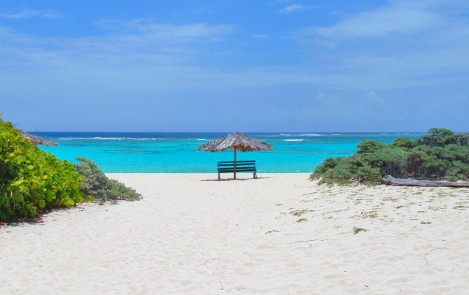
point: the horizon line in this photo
(281, 132)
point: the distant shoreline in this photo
(157, 152)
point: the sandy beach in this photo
(279, 234)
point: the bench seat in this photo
(241, 166)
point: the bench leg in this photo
(218, 175)
(254, 174)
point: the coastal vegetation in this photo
(440, 155)
(98, 185)
(33, 181)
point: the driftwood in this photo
(389, 180)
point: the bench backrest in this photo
(229, 164)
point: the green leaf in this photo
(42, 204)
(18, 182)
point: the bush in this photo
(405, 143)
(368, 175)
(439, 137)
(32, 181)
(96, 184)
(440, 155)
(387, 159)
(369, 146)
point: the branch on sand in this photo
(389, 180)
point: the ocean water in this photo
(177, 152)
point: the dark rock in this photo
(38, 140)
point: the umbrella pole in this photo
(234, 170)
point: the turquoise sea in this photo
(177, 152)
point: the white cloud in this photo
(291, 8)
(30, 13)
(144, 55)
(402, 45)
(128, 42)
(397, 18)
(187, 32)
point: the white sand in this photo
(193, 235)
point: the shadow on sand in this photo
(232, 179)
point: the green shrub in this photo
(440, 155)
(405, 143)
(334, 170)
(32, 181)
(369, 146)
(368, 175)
(441, 137)
(96, 184)
(458, 171)
(387, 159)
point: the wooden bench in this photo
(241, 166)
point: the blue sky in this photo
(235, 65)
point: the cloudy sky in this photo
(318, 66)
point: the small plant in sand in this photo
(302, 220)
(272, 231)
(95, 183)
(435, 208)
(357, 230)
(370, 214)
(298, 213)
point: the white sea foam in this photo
(311, 134)
(112, 138)
(293, 140)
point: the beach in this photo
(278, 234)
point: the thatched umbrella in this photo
(237, 142)
(35, 139)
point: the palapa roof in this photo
(235, 140)
(38, 140)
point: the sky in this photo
(259, 66)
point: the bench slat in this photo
(237, 170)
(237, 162)
(240, 165)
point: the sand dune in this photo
(279, 234)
